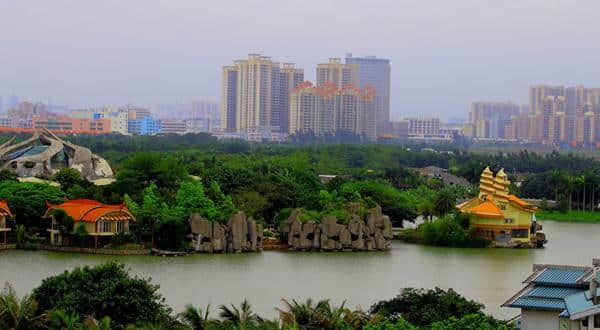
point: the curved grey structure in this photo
(45, 153)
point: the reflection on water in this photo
(487, 275)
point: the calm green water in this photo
(487, 275)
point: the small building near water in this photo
(4, 213)
(100, 220)
(501, 217)
(560, 297)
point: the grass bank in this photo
(569, 216)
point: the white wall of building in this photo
(536, 320)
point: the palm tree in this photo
(195, 318)
(556, 178)
(331, 316)
(21, 234)
(297, 314)
(18, 314)
(581, 182)
(242, 317)
(427, 209)
(62, 320)
(91, 323)
(445, 201)
(569, 187)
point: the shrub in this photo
(104, 290)
(424, 307)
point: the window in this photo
(509, 220)
(55, 236)
(105, 227)
(120, 226)
(520, 233)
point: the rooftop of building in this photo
(88, 210)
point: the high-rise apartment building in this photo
(291, 77)
(491, 118)
(375, 72)
(256, 94)
(337, 73)
(539, 93)
(328, 109)
(229, 99)
(258, 106)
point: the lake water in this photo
(486, 275)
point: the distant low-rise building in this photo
(177, 126)
(144, 126)
(67, 124)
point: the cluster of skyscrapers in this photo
(555, 116)
(265, 97)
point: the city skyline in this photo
(123, 56)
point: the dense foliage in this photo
(425, 307)
(104, 290)
(107, 297)
(28, 200)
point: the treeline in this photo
(107, 297)
(579, 190)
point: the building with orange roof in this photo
(500, 216)
(4, 213)
(100, 220)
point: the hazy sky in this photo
(444, 54)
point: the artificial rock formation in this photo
(240, 234)
(373, 233)
(44, 153)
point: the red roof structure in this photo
(4, 209)
(91, 211)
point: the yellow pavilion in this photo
(499, 216)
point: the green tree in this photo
(142, 169)
(58, 319)
(400, 324)
(76, 192)
(149, 214)
(21, 234)
(192, 198)
(81, 234)
(241, 318)
(195, 318)
(445, 202)
(19, 313)
(67, 178)
(103, 290)
(469, 322)
(28, 200)
(8, 175)
(252, 203)
(424, 307)
(63, 221)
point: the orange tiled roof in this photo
(487, 209)
(463, 204)
(4, 209)
(517, 200)
(89, 210)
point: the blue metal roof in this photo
(579, 302)
(551, 292)
(564, 314)
(559, 276)
(539, 303)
